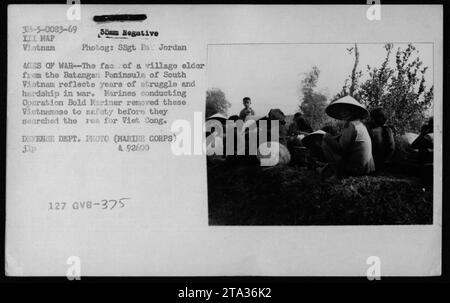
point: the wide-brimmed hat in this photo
(217, 116)
(347, 103)
(307, 140)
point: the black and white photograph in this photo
(224, 141)
(354, 140)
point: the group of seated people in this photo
(364, 144)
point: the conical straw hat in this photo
(307, 140)
(217, 116)
(337, 108)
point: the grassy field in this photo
(289, 195)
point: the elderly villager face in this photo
(347, 115)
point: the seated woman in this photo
(313, 143)
(297, 130)
(424, 143)
(299, 125)
(215, 137)
(383, 143)
(349, 153)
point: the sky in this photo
(270, 74)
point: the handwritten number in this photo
(104, 204)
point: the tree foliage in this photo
(313, 103)
(398, 88)
(216, 102)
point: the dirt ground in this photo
(291, 195)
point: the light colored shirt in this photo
(356, 149)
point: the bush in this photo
(286, 195)
(216, 102)
(400, 91)
(313, 103)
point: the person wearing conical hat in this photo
(313, 142)
(350, 152)
(217, 116)
(215, 136)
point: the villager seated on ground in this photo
(244, 149)
(310, 152)
(314, 156)
(299, 125)
(232, 132)
(349, 153)
(277, 114)
(238, 131)
(273, 153)
(256, 139)
(383, 143)
(297, 130)
(215, 136)
(425, 144)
